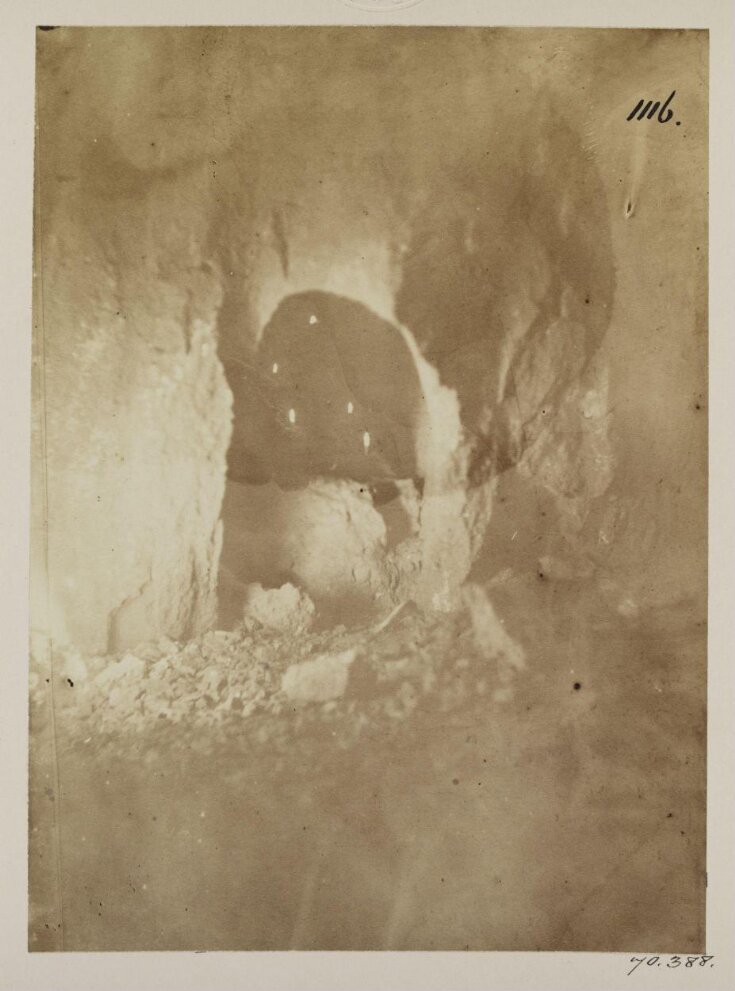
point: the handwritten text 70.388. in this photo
(700, 960)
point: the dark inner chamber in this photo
(332, 391)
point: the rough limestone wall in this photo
(132, 408)
(433, 179)
(615, 482)
(456, 183)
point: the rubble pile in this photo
(274, 676)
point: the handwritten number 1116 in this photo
(700, 960)
(646, 110)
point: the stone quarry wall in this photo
(188, 180)
(132, 409)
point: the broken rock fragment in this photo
(320, 679)
(284, 609)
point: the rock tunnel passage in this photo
(228, 755)
(336, 438)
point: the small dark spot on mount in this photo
(455, 781)
(587, 299)
(541, 574)
(577, 686)
(678, 123)
(669, 815)
(697, 405)
(70, 682)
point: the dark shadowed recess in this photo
(332, 390)
(501, 261)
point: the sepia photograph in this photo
(369, 489)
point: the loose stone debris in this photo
(273, 675)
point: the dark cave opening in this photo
(326, 414)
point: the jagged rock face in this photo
(132, 411)
(190, 183)
(507, 280)
(160, 243)
(136, 421)
(497, 270)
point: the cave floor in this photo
(432, 806)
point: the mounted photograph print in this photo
(369, 489)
